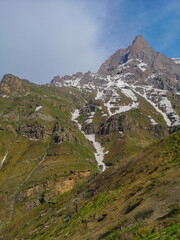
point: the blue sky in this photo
(43, 38)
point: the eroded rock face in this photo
(12, 85)
(115, 123)
(46, 191)
(39, 131)
(34, 130)
(61, 134)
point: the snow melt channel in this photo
(99, 155)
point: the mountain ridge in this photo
(103, 147)
(131, 72)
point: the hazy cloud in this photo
(42, 38)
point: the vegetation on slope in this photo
(136, 199)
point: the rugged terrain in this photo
(102, 146)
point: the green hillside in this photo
(47, 165)
(137, 199)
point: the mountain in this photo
(136, 93)
(103, 147)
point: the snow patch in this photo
(153, 122)
(99, 95)
(33, 139)
(176, 60)
(38, 108)
(3, 160)
(141, 66)
(75, 115)
(88, 121)
(5, 96)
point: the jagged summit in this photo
(136, 50)
(142, 51)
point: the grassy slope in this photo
(137, 199)
(24, 154)
(61, 159)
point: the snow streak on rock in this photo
(168, 122)
(142, 66)
(99, 149)
(159, 102)
(113, 85)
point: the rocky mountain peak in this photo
(11, 84)
(139, 51)
(137, 69)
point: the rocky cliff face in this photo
(47, 191)
(61, 134)
(34, 131)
